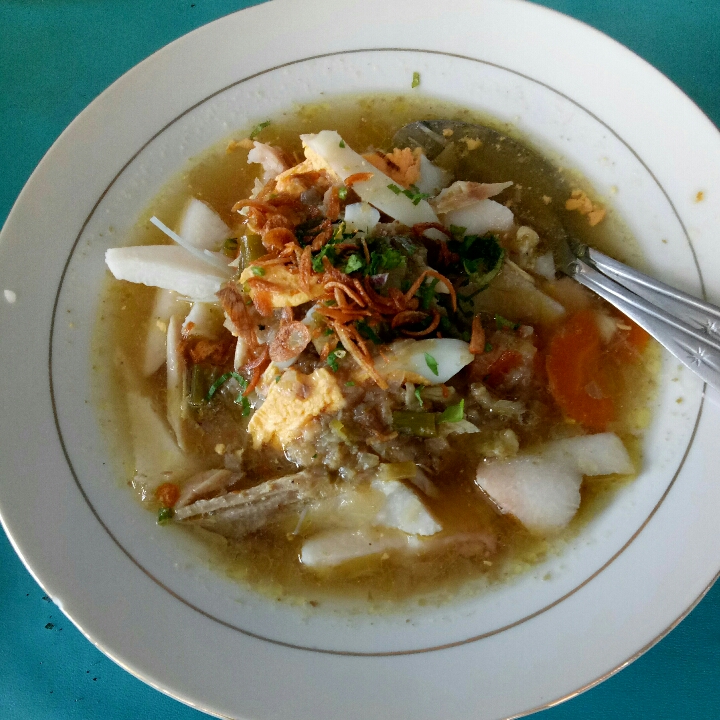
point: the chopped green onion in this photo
(419, 424)
(384, 260)
(342, 143)
(457, 232)
(349, 383)
(258, 271)
(414, 194)
(418, 390)
(330, 303)
(258, 129)
(488, 347)
(342, 193)
(431, 363)
(355, 262)
(165, 515)
(453, 413)
(328, 332)
(502, 322)
(244, 403)
(332, 361)
(278, 378)
(222, 380)
(394, 188)
(415, 80)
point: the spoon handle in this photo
(686, 326)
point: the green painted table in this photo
(55, 57)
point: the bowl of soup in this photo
(327, 432)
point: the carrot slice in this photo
(573, 364)
(637, 337)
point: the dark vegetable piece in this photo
(419, 424)
(251, 249)
(230, 247)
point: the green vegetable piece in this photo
(349, 383)
(414, 194)
(488, 347)
(342, 193)
(418, 390)
(245, 403)
(453, 413)
(502, 322)
(482, 258)
(394, 188)
(355, 262)
(165, 515)
(415, 80)
(431, 363)
(426, 293)
(258, 271)
(419, 424)
(230, 247)
(198, 385)
(332, 361)
(222, 380)
(367, 332)
(383, 260)
(342, 143)
(251, 249)
(457, 232)
(258, 129)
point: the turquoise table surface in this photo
(55, 57)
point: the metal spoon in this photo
(687, 327)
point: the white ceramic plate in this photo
(145, 596)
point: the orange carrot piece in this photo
(167, 494)
(573, 366)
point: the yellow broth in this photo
(268, 559)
